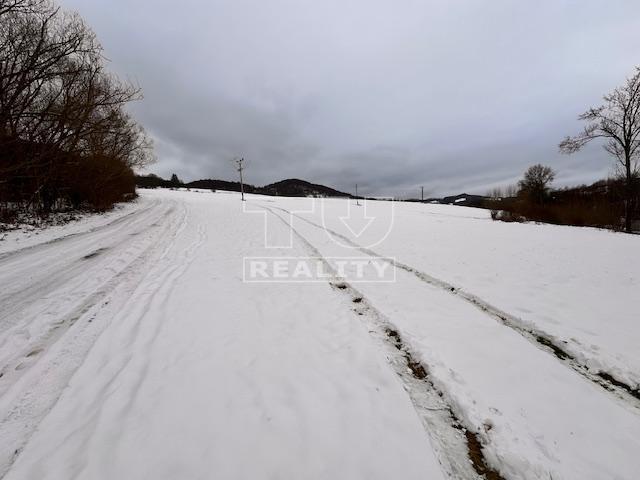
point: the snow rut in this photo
(622, 391)
(458, 448)
(33, 315)
(42, 270)
(124, 219)
(36, 375)
(135, 338)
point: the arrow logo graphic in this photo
(357, 223)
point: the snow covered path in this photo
(198, 375)
(58, 296)
(137, 350)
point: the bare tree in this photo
(617, 121)
(9, 6)
(61, 111)
(511, 190)
(503, 192)
(536, 181)
(495, 193)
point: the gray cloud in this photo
(453, 95)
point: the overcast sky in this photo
(390, 94)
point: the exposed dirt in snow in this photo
(474, 447)
(603, 379)
(96, 252)
(133, 349)
(634, 392)
(208, 371)
(447, 423)
(404, 301)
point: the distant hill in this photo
(462, 199)
(291, 187)
(294, 187)
(221, 185)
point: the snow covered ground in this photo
(177, 338)
(28, 235)
(578, 285)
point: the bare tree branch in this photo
(617, 121)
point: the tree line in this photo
(66, 138)
(614, 203)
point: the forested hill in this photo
(292, 187)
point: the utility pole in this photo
(240, 166)
(357, 199)
(422, 194)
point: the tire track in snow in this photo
(32, 396)
(458, 448)
(123, 219)
(52, 273)
(138, 333)
(33, 315)
(163, 293)
(111, 370)
(542, 340)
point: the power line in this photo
(240, 167)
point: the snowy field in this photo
(190, 336)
